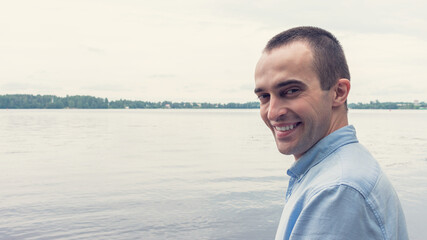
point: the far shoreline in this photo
(28, 101)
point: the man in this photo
(336, 188)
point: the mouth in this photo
(288, 127)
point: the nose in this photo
(276, 109)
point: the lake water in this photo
(174, 174)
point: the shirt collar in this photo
(322, 149)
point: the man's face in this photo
(293, 105)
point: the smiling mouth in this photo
(287, 127)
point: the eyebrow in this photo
(281, 84)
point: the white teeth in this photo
(286, 128)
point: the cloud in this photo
(29, 88)
(95, 50)
(161, 76)
(105, 87)
(247, 87)
(22, 86)
(200, 50)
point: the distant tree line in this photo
(388, 105)
(27, 101)
(50, 101)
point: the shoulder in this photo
(345, 187)
(335, 212)
(351, 166)
(360, 170)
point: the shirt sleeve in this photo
(337, 212)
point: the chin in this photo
(283, 150)
(290, 150)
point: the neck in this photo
(339, 119)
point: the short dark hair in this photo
(328, 56)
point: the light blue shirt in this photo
(338, 191)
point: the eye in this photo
(291, 92)
(263, 98)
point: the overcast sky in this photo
(200, 50)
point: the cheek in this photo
(312, 107)
(263, 112)
(303, 108)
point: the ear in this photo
(341, 90)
